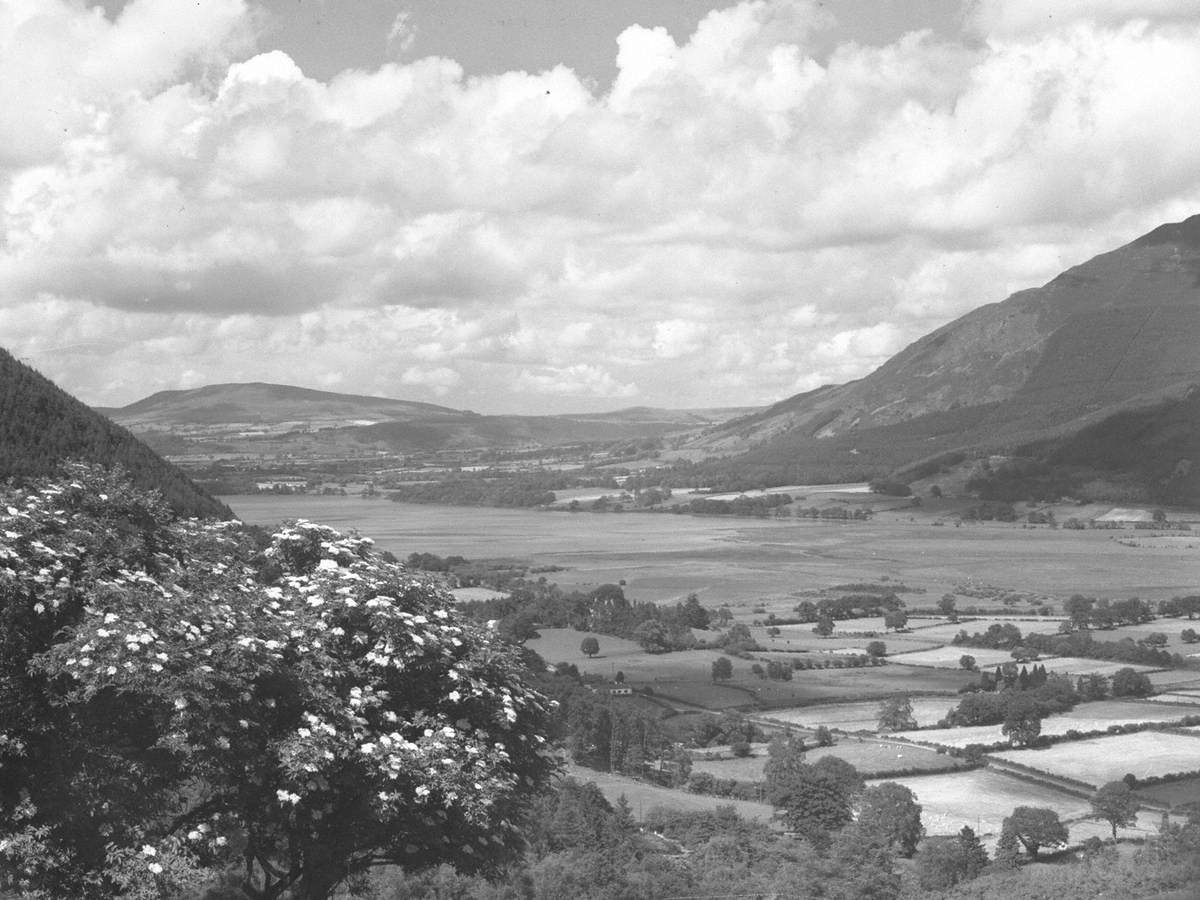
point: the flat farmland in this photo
(982, 799)
(1099, 760)
(860, 715)
(643, 797)
(947, 631)
(726, 561)
(1069, 665)
(562, 645)
(868, 683)
(869, 757)
(800, 638)
(1176, 679)
(1083, 718)
(1172, 793)
(948, 657)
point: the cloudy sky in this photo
(563, 205)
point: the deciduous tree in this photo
(1116, 804)
(891, 811)
(589, 646)
(1036, 827)
(896, 714)
(321, 709)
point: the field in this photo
(1066, 665)
(1083, 718)
(1100, 760)
(948, 657)
(756, 567)
(734, 562)
(1172, 793)
(860, 715)
(869, 757)
(982, 799)
(643, 797)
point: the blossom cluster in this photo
(290, 681)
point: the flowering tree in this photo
(188, 698)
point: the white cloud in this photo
(1019, 17)
(733, 220)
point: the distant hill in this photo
(257, 404)
(42, 426)
(223, 411)
(1038, 372)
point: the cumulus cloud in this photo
(732, 221)
(1021, 17)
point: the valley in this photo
(999, 574)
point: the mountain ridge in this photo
(1116, 330)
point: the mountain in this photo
(184, 421)
(1116, 334)
(258, 404)
(42, 426)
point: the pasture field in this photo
(860, 715)
(1172, 793)
(1083, 718)
(1069, 665)
(869, 757)
(643, 797)
(1099, 760)
(948, 657)
(947, 631)
(467, 594)
(869, 683)
(982, 799)
(800, 638)
(562, 645)
(727, 561)
(1176, 679)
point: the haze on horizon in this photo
(567, 206)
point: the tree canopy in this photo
(181, 695)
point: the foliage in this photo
(42, 427)
(1022, 721)
(722, 669)
(1035, 827)
(589, 646)
(890, 812)
(946, 861)
(1116, 804)
(896, 714)
(319, 709)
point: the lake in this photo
(663, 557)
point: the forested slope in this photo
(41, 426)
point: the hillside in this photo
(258, 404)
(1114, 334)
(42, 426)
(189, 421)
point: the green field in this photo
(982, 799)
(1087, 717)
(757, 567)
(869, 757)
(1099, 760)
(643, 797)
(861, 715)
(742, 562)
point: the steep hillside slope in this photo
(42, 426)
(1117, 333)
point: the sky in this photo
(546, 206)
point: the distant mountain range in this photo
(224, 411)
(42, 426)
(1098, 369)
